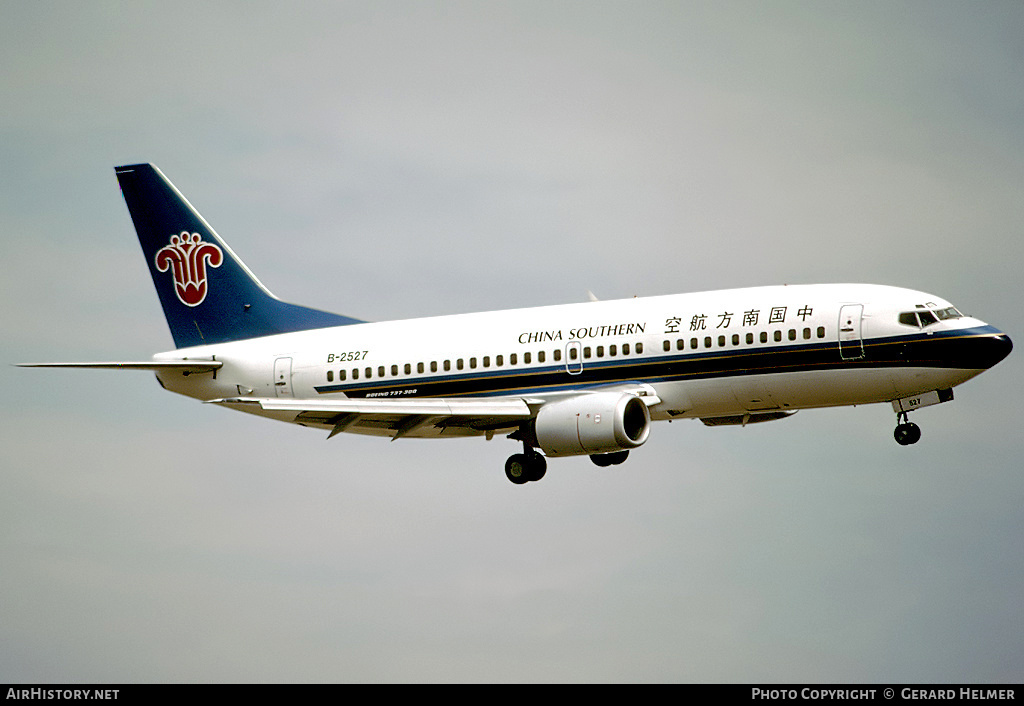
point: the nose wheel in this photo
(907, 432)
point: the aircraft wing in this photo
(398, 418)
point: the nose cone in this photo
(989, 350)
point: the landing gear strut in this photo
(906, 432)
(530, 464)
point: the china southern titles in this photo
(583, 332)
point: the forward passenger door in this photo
(851, 343)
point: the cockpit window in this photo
(909, 318)
(926, 317)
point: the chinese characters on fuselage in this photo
(751, 317)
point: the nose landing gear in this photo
(907, 432)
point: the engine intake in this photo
(595, 423)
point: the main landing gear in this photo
(530, 465)
(524, 467)
(907, 432)
(612, 459)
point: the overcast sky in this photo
(389, 160)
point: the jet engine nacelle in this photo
(592, 424)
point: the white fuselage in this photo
(709, 355)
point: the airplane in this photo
(566, 380)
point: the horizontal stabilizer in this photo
(184, 366)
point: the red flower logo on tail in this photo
(187, 257)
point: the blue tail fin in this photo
(208, 294)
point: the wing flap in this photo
(512, 407)
(398, 418)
